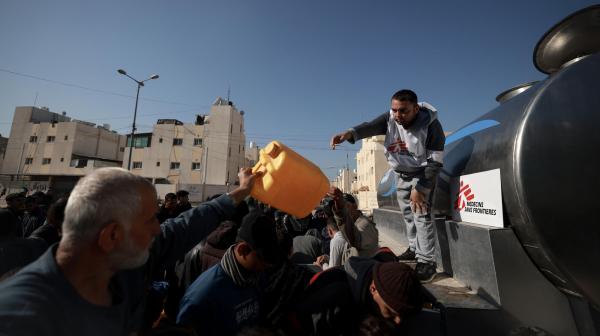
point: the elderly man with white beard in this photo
(94, 282)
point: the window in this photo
(197, 141)
(139, 140)
(46, 161)
(62, 159)
(229, 152)
(33, 138)
(177, 142)
(174, 165)
(158, 163)
(66, 137)
(122, 149)
(239, 149)
(28, 160)
(195, 165)
(137, 165)
(50, 138)
(160, 140)
(231, 129)
(79, 163)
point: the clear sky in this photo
(301, 70)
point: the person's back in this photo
(215, 305)
(19, 252)
(11, 216)
(369, 237)
(305, 249)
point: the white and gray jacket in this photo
(415, 151)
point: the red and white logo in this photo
(477, 198)
(464, 194)
(397, 146)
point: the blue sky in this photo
(301, 70)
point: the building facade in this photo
(345, 179)
(203, 157)
(47, 149)
(371, 165)
(3, 144)
(252, 154)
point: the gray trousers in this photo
(419, 226)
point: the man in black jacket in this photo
(414, 146)
(11, 217)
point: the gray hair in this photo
(103, 196)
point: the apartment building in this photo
(203, 157)
(371, 165)
(47, 149)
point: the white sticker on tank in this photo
(477, 198)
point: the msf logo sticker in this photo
(464, 194)
(399, 146)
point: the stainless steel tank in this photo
(546, 142)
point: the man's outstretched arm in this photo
(179, 235)
(377, 126)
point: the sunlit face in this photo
(386, 311)
(404, 112)
(135, 246)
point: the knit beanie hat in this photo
(398, 286)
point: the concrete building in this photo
(371, 165)
(47, 149)
(345, 179)
(3, 144)
(203, 157)
(252, 154)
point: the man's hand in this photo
(417, 202)
(339, 138)
(321, 260)
(247, 180)
(338, 199)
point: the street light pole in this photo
(139, 85)
(133, 126)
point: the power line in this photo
(93, 89)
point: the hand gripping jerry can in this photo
(290, 183)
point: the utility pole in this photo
(205, 141)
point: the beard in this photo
(128, 255)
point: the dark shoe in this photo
(408, 255)
(426, 272)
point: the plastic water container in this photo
(290, 182)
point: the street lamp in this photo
(139, 85)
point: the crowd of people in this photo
(230, 265)
(110, 260)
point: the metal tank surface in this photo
(545, 140)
